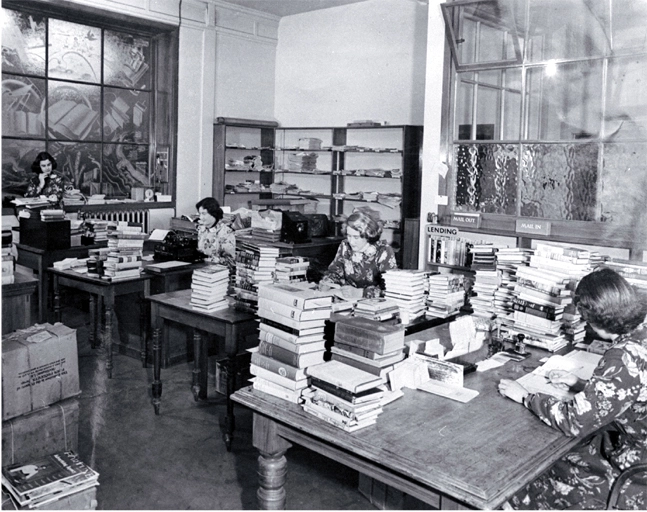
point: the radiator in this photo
(139, 216)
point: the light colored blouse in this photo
(218, 243)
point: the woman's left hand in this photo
(513, 390)
(350, 292)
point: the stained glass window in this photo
(83, 92)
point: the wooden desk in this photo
(443, 452)
(40, 260)
(231, 325)
(102, 296)
(16, 303)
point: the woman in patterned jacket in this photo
(361, 258)
(215, 238)
(608, 412)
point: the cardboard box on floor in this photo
(40, 366)
(34, 435)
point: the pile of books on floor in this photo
(343, 396)
(407, 289)
(209, 286)
(255, 265)
(290, 269)
(368, 345)
(46, 215)
(445, 295)
(291, 333)
(126, 249)
(378, 308)
(42, 482)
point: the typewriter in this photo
(178, 247)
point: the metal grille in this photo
(139, 216)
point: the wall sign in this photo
(435, 229)
(533, 226)
(472, 220)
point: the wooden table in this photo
(16, 303)
(40, 260)
(102, 297)
(231, 325)
(446, 453)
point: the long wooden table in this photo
(102, 296)
(233, 327)
(446, 453)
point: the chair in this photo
(614, 495)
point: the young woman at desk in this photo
(215, 238)
(361, 258)
(609, 411)
(46, 183)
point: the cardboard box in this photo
(40, 366)
(82, 500)
(49, 430)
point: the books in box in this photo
(40, 366)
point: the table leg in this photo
(93, 321)
(57, 300)
(231, 333)
(156, 388)
(272, 464)
(107, 339)
(43, 290)
(143, 327)
(197, 355)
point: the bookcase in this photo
(243, 161)
(344, 168)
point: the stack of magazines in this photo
(43, 481)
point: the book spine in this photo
(357, 350)
(275, 366)
(280, 354)
(328, 387)
(281, 327)
(278, 332)
(332, 417)
(290, 384)
(285, 394)
(541, 313)
(359, 338)
(554, 291)
(273, 315)
(273, 339)
(368, 368)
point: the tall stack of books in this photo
(343, 396)
(372, 346)
(209, 288)
(445, 295)
(508, 259)
(378, 308)
(126, 249)
(255, 265)
(407, 289)
(291, 334)
(42, 482)
(290, 269)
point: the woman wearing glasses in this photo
(608, 412)
(361, 258)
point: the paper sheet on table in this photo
(158, 234)
(457, 393)
(410, 374)
(462, 332)
(493, 362)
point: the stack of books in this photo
(343, 396)
(97, 229)
(7, 257)
(46, 215)
(449, 250)
(209, 288)
(378, 308)
(445, 295)
(290, 269)
(255, 265)
(42, 482)
(371, 346)
(126, 249)
(486, 282)
(407, 289)
(291, 334)
(96, 260)
(507, 262)
(302, 162)
(635, 272)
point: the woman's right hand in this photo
(562, 379)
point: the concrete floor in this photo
(178, 460)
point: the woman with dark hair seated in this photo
(46, 182)
(608, 412)
(361, 258)
(215, 239)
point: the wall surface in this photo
(354, 62)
